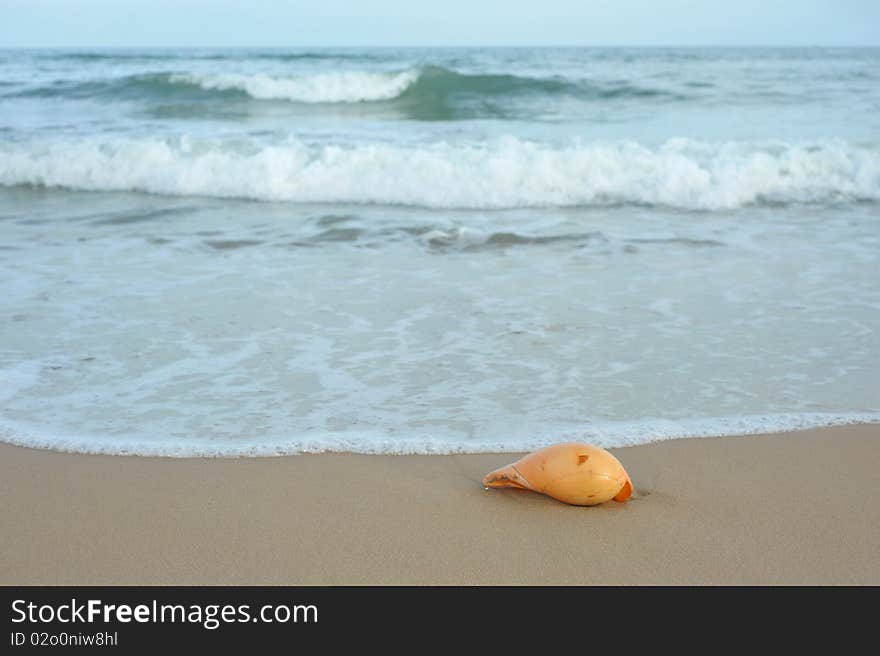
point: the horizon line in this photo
(436, 46)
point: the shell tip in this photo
(505, 477)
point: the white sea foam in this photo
(605, 434)
(18, 377)
(505, 173)
(336, 87)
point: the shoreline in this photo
(784, 508)
(624, 434)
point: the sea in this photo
(251, 252)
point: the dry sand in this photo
(798, 508)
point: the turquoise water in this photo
(435, 250)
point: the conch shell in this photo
(575, 473)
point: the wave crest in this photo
(338, 87)
(507, 173)
(428, 92)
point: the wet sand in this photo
(795, 508)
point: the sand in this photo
(796, 508)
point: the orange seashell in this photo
(575, 473)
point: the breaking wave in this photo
(506, 173)
(428, 87)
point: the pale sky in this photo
(295, 23)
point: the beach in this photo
(789, 508)
(268, 315)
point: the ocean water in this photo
(253, 252)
